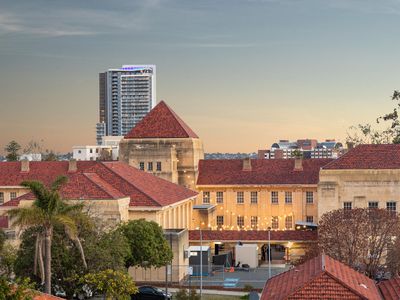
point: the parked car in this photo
(148, 292)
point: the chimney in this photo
(298, 164)
(25, 165)
(247, 164)
(72, 166)
(350, 145)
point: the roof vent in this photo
(25, 165)
(247, 164)
(72, 166)
(298, 164)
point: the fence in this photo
(215, 276)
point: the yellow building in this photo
(162, 144)
(366, 176)
(257, 194)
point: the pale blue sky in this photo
(241, 73)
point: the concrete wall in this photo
(358, 187)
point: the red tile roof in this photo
(3, 221)
(161, 122)
(390, 289)
(321, 277)
(252, 235)
(97, 180)
(264, 171)
(368, 157)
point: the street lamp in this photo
(269, 253)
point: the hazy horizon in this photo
(241, 73)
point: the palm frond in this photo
(68, 223)
(40, 192)
(56, 185)
(27, 216)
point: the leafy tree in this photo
(149, 248)
(359, 237)
(113, 284)
(47, 212)
(49, 155)
(21, 290)
(366, 134)
(103, 250)
(12, 149)
(33, 147)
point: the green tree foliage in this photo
(12, 149)
(49, 155)
(359, 237)
(21, 290)
(149, 248)
(113, 284)
(183, 294)
(47, 212)
(103, 250)
(366, 134)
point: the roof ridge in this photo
(339, 158)
(346, 285)
(140, 190)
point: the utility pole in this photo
(201, 263)
(269, 253)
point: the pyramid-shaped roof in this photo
(321, 277)
(161, 122)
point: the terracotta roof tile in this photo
(97, 180)
(368, 157)
(264, 171)
(252, 235)
(3, 221)
(390, 289)
(321, 277)
(161, 122)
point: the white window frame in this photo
(206, 197)
(253, 197)
(240, 197)
(288, 196)
(274, 197)
(309, 197)
(219, 197)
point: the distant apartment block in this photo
(126, 95)
(307, 148)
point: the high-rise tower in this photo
(126, 95)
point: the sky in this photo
(241, 73)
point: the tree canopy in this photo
(367, 134)
(148, 246)
(359, 237)
(12, 149)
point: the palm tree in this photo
(47, 211)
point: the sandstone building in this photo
(165, 146)
(366, 176)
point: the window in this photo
(13, 195)
(275, 223)
(240, 197)
(159, 166)
(347, 205)
(254, 221)
(254, 197)
(288, 222)
(373, 204)
(288, 197)
(309, 197)
(391, 206)
(150, 166)
(79, 151)
(1, 197)
(141, 166)
(310, 219)
(91, 150)
(206, 197)
(274, 197)
(220, 197)
(220, 221)
(240, 221)
(97, 150)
